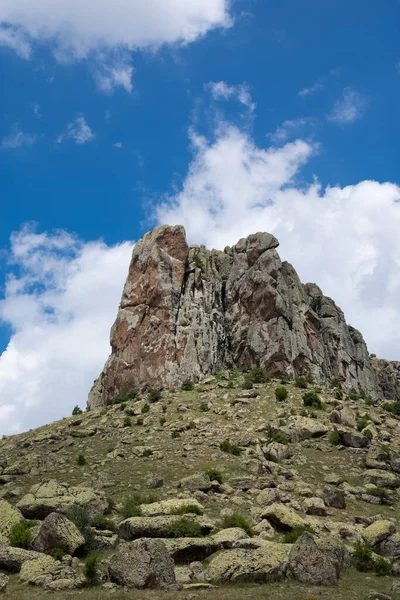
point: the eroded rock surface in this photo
(187, 312)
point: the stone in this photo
(56, 531)
(12, 559)
(155, 482)
(4, 581)
(168, 507)
(390, 546)
(316, 559)
(49, 496)
(155, 527)
(315, 506)
(187, 312)
(198, 481)
(267, 563)
(350, 438)
(283, 517)
(334, 498)
(143, 563)
(378, 531)
(50, 574)
(276, 452)
(382, 479)
(9, 516)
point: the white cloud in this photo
(287, 130)
(36, 111)
(117, 73)
(317, 87)
(349, 108)
(79, 27)
(118, 145)
(17, 139)
(60, 302)
(79, 131)
(344, 239)
(16, 40)
(222, 90)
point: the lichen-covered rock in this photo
(168, 507)
(49, 496)
(188, 312)
(155, 527)
(316, 559)
(390, 546)
(267, 563)
(378, 531)
(12, 559)
(350, 438)
(198, 481)
(334, 498)
(382, 478)
(4, 581)
(315, 506)
(9, 516)
(283, 517)
(277, 452)
(56, 531)
(142, 564)
(49, 573)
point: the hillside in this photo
(246, 467)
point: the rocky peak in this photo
(187, 312)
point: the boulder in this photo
(4, 581)
(168, 507)
(334, 498)
(350, 438)
(302, 428)
(155, 527)
(12, 559)
(316, 559)
(380, 478)
(56, 531)
(267, 563)
(378, 531)
(50, 574)
(390, 546)
(277, 452)
(283, 517)
(198, 481)
(143, 563)
(49, 496)
(9, 516)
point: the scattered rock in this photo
(56, 531)
(316, 559)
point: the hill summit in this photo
(187, 312)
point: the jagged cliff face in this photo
(187, 312)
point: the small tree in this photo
(281, 393)
(77, 411)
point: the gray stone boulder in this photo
(141, 564)
(267, 563)
(378, 532)
(316, 559)
(49, 573)
(381, 478)
(56, 531)
(334, 498)
(12, 559)
(4, 581)
(390, 546)
(276, 452)
(156, 527)
(168, 507)
(315, 506)
(198, 481)
(49, 496)
(350, 438)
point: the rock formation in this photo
(187, 312)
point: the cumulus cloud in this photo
(349, 108)
(344, 239)
(17, 139)
(79, 131)
(16, 40)
(222, 90)
(60, 300)
(288, 129)
(308, 91)
(79, 27)
(117, 73)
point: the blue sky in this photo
(108, 129)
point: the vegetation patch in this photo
(229, 448)
(312, 400)
(187, 386)
(291, 537)
(183, 528)
(187, 509)
(281, 393)
(21, 535)
(237, 520)
(214, 475)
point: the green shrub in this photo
(312, 400)
(103, 524)
(362, 557)
(334, 437)
(382, 567)
(56, 553)
(281, 393)
(258, 375)
(183, 528)
(21, 535)
(125, 396)
(291, 537)
(154, 396)
(187, 386)
(353, 394)
(131, 508)
(187, 509)
(111, 506)
(362, 422)
(301, 382)
(392, 407)
(237, 520)
(128, 422)
(309, 378)
(204, 407)
(280, 438)
(162, 421)
(196, 260)
(368, 434)
(145, 409)
(91, 567)
(175, 435)
(139, 421)
(247, 383)
(81, 460)
(79, 516)
(77, 411)
(230, 448)
(214, 475)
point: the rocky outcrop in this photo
(187, 312)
